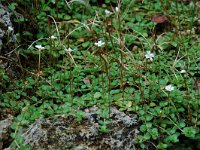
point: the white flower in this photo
(183, 71)
(40, 47)
(53, 1)
(10, 29)
(99, 43)
(149, 55)
(169, 88)
(52, 37)
(68, 49)
(116, 9)
(108, 12)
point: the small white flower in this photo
(10, 29)
(108, 13)
(183, 71)
(116, 9)
(169, 88)
(52, 37)
(53, 1)
(99, 43)
(68, 49)
(149, 55)
(40, 47)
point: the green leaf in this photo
(163, 104)
(172, 138)
(161, 146)
(172, 130)
(27, 33)
(154, 133)
(20, 118)
(13, 135)
(62, 52)
(33, 98)
(143, 128)
(55, 107)
(149, 117)
(141, 112)
(12, 6)
(46, 104)
(163, 82)
(174, 44)
(14, 126)
(189, 132)
(148, 125)
(147, 136)
(142, 146)
(103, 129)
(67, 17)
(86, 44)
(97, 95)
(182, 124)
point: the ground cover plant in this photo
(141, 56)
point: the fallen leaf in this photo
(86, 80)
(159, 19)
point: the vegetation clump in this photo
(141, 57)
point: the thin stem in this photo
(39, 60)
(50, 56)
(71, 81)
(108, 78)
(121, 49)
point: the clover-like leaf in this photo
(189, 131)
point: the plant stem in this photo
(121, 44)
(39, 60)
(108, 78)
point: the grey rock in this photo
(8, 41)
(5, 25)
(58, 133)
(4, 128)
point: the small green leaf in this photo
(189, 132)
(172, 138)
(152, 104)
(33, 98)
(149, 117)
(173, 130)
(13, 135)
(163, 82)
(97, 95)
(174, 44)
(12, 6)
(142, 146)
(67, 17)
(163, 104)
(46, 104)
(154, 133)
(161, 146)
(141, 112)
(149, 125)
(143, 128)
(55, 107)
(147, 136)
(182, 124)
(103, 129)
(86, 44)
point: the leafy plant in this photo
(110, 59)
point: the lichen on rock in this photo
(6, 29)
(4, 130)
(66, 133)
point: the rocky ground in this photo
(64, 133)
